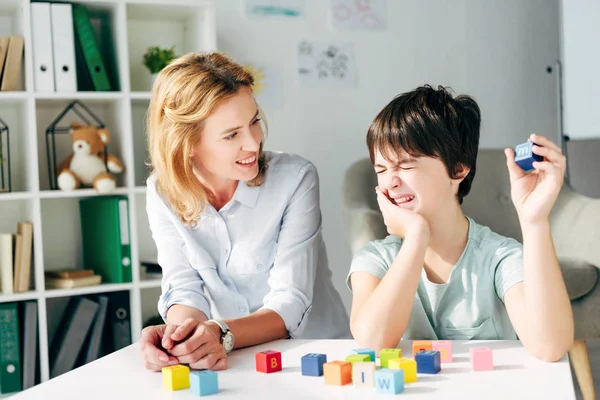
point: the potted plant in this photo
(156, 58)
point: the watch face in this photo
(228, 341)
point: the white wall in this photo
(495, 50)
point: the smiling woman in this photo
(237, 229)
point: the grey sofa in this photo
(575, 224)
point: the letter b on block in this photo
(268, 361)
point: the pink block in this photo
(481, 359)
(445, 349)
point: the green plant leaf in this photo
(156, 58)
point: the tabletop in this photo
(516, 375)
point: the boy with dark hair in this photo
(439, 274)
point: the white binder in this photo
(63, 45)
(41, 32)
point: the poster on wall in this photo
(326, 64)
(358, 15)
(267, 86)
(260, 9)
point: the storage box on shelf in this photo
(131, 26)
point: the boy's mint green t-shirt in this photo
(470, 305)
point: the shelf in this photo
(14, 97)
(102, 288)
(140, 96)
(87, 192)
(150, 283)
(124, 29)
(88, 96)
(15, 196)
(14, 297)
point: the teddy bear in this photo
(85, 166)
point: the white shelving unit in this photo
(189, 25)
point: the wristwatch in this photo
(227, 339)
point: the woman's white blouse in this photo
(263, 249)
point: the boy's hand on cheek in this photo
(400, 222)
(534, 194)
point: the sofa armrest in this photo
(575, 223)
(360, 211)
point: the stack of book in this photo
(15, 259)
(65, 279)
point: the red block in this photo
(268, 361)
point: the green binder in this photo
(86, 37)
(105, 237)
(10, 349)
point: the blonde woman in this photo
(238, 229)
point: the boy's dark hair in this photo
(429, 122)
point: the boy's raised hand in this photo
(534, 194)
(400, 222)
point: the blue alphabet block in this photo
(312, 364)
(524, 156)
(204, 383)
(370, 352)
(389, 381)
(428, 362)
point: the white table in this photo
(517, 375)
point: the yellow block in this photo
(176, 377)
(388, 354)
(409, 366)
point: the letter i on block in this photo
(204, 383)
(388, 354)
(481, 359)
(363, 373)
(268, 361)
(337, 373)
(176, 377)
(312, 364)
(389, 381)
(445, 349)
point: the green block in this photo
(388, 354)
(358, 358)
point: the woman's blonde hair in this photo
(185, 93)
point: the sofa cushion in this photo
(580, 277)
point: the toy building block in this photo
(445, 349)
(176, 377)
(389, 381)
(370, 352)
(268, 361)
(524, 156)
(387, 354)
(352, 358)
(337, 373)
(407, 365)
(420, 345)
(363, 373)
(204, 383)
(312, 364)
(481, 359)
(428, 362)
